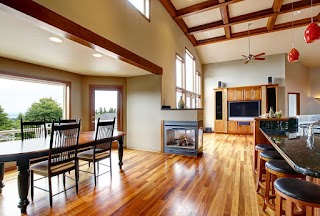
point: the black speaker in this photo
(271, 99)
(269, 80)
(219, 105)
(219, 84)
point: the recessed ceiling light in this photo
(206, 33)
(55, 39)
(97, 55)
(297, 12)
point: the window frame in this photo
(42, 80)
(147, 7)
(195, 94)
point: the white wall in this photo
(314, 90)
(143, 112)
(236, 73)
(157, 40)
(298, 81)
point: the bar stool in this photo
(260, 148)
(296, 191)
(263, 158)
(277, 169)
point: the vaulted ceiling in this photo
(214, 26)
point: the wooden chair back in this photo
(104, 132)
(67, 121)
(33, 129)
(63, 143)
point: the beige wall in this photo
(157, 40)
(105, 81)
(236, 73)
(298, 81)
(314, 90)
(143, 112)
(31, 70)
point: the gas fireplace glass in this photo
(181, 138)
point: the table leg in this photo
(120, 151)
(1, 176)
(23, 184)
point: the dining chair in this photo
(67, 121)
(62, 157)
(33, 129)
(101, 149)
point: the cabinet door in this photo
(252, 94)
(244, 129)
(235, 95)
(232, 126)
(219, 126)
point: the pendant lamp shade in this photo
(293, 55)
(312, 32)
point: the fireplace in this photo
(183, 137)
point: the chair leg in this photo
(89, 164)
(32, 186)
(278, 205)
(64, 179)
(289, 208)
(259, 176)
(50, 191)
(94, 173)
(110, 167)
(267, 191)
(76, 174)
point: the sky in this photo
(16, 96)
(107, 99)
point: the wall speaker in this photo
(219, 84)
(269, 80)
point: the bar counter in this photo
(302, 154)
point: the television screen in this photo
(244, 109)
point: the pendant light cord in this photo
(292, 37)
(249, 37)
(311, 12)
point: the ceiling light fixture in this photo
(312, 32)
(206, 33)
(297, 12)
(97, 55)
(294, 54)
(55, 39)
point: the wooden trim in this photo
(287, 8)
(119, 89)
(259, 31)
(276, 8)
(21, 77)
(44, 18)
(202, 7)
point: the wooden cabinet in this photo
(252, 94)
(232, 127)
(219, 126)
(235, 94)
(244, 129)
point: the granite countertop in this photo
(302, 155)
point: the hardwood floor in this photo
(220, 182)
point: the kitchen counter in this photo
(302, 155)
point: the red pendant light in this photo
(312, 32)
(293, 55)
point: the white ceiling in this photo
(70, 56)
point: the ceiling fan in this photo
(250, 56)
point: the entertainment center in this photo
(236, 107)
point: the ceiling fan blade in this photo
(259, 58)
(244, 56)
(260, 54)
(247, 61)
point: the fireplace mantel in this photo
(182, 114)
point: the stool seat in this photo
(280, 166)
(299, 189)
(264, 147)
(271, 155)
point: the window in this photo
(188, 81)
(143, 6)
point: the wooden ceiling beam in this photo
(167, 4)
(44, 18)
(276, 8)
(253, 16)
(201, 7)
(224, 11)
(259, 31)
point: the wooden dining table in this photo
(22, 151)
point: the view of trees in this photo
(103, 110)
(46, 108)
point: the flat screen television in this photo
(238, 109)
